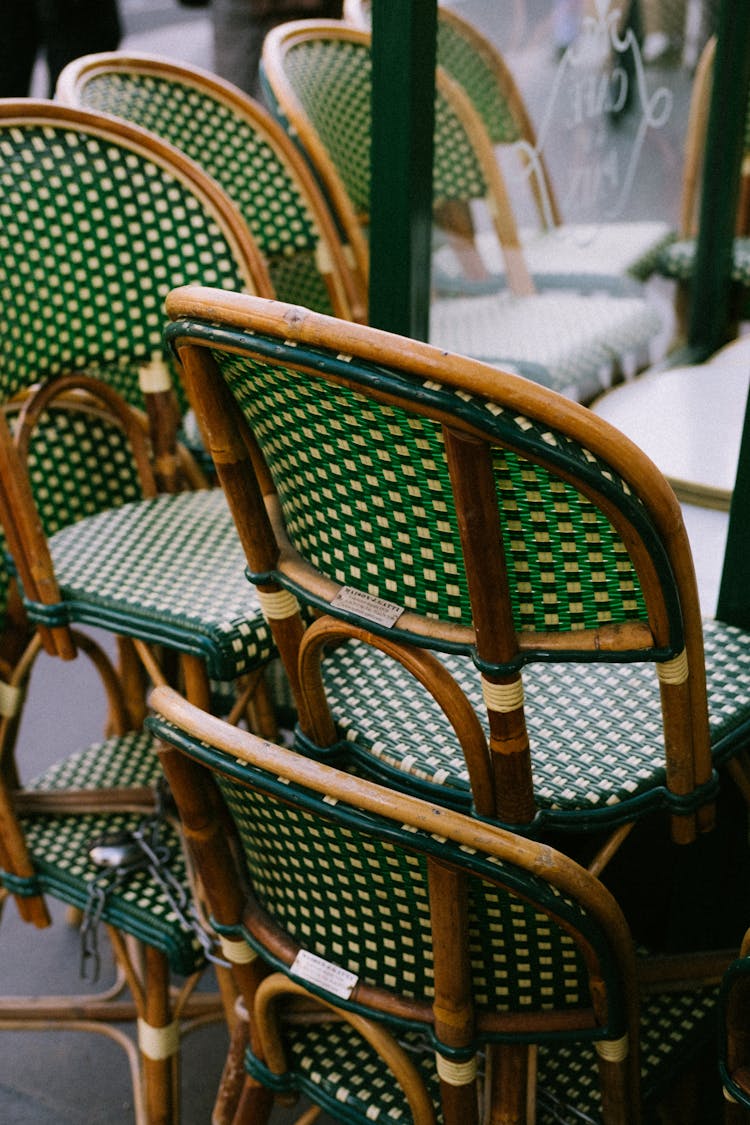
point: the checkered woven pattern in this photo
(169, 569)
(79, 463)
(474, 72)
(93, 235)
(342, 1073)
(59, 847)
(367, 498)
(236, 151)
(361, 902)
(596, 730)
(673, 1027)
(578, 340)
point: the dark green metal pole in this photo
(711, 306)
(403, 95)
(726, 132)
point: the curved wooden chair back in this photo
(98, 218)
(417, 921)
(244, 149)
(472, 61)
(318, 74)
(420, 500)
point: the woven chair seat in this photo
(358, 1089)
(577, 341)
(58, 845)
(345, 1074)
(678, 260)
(167, 570)
(596, 257)
(568, 1076)
(587, 759)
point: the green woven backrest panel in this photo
(237, 153)
(79, 464)
(474, 73)
(367, 499)
(362, 902)
(92, 238)
(333, 81)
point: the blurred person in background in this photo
(61, 29)
(240, 26)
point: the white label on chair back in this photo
(367, 606)
(315, 970)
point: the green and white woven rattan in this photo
(237, 143)
(98, 220)
(610, 256)
(424, 502)
(59, 848)
(319, 84)
(168, 570)
(348, 873)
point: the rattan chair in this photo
(441, 950)
(98, 220)
(509, 616)
(734, 1065)
(614, 256)
(101, 797)
(318, 77)
(245, 150)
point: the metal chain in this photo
(120, 855)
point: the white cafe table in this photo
(688, 420)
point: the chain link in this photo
(120, 855)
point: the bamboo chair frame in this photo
(195, 746)
(77, 86)
(501, 779)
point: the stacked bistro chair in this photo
(734, 1036)
(98, 220)
(613, 256)
(245, 150)
(319, 78)
(507, 615)
(460, 972)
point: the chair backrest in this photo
(475, 63)
(244, 149)
(428, 920)
(97, 221)
(318, 76)
(423, 499)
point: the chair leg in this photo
(508, 1074)
(233, 1075)
(255, 1104)
(159, 1043)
